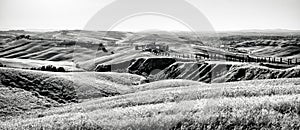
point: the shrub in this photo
(50, 68)
(43, 68)
(61, 69)
(23, 36)
(104, 49)
(27, 37)
(33, 68)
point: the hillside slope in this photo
(27, 90)
(223, 72)
(269, 104)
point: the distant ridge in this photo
(264, 30)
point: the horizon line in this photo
(157, 30)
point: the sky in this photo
(147, 23)
(224, 15)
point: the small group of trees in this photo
(22, 37)
(50, 68)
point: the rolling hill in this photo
(182, 93)
(250, 104)
(24, 90)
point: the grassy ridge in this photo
(42, 83)
(23, 91)
(178, 94)
(80, 85)
(274, 112)
(241, 105)
(14, 101)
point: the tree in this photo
(61, 69)
(27, 36)
(43, 68)
(48, 67)
(53, 69)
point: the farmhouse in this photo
(153, 47)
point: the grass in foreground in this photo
(178, 94)
(269, 112)
(240, 105)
